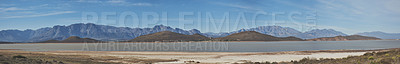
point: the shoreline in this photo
(204, 57)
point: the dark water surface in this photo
(212, 46)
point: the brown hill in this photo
(255, 36)
(73, 39)
(344, 38)
(168, 36)
(291, 38)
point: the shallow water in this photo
(212, 46)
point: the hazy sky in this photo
(348, 16)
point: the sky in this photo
(348, 16)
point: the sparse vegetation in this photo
(387, 54)
(35, 58)
(387, 57)
(371, 58)
(19, 56)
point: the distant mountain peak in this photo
(110, 33)
(317, 33)
(254, 36)
(58, 26)
(86, 30)
(197, 34)
(161, 26)
(381, 35)
(194, 30)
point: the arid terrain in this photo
(117, 57)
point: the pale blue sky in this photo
(348, 16)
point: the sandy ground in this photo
(217, 57)
(239, 57)
(202, 57)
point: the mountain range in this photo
(381, 35)
(344, 38)
(279, 31)
(111, 33)
(255, 36)
(89, 30)
(168, 36)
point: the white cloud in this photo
(237, 6)
(10, 9)
(33, 11)
(39, 6)
(89, 1)
(116, 2)
(13, 9)
(360, 8)
(360, 13)
(142, 4)
(39, 15)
